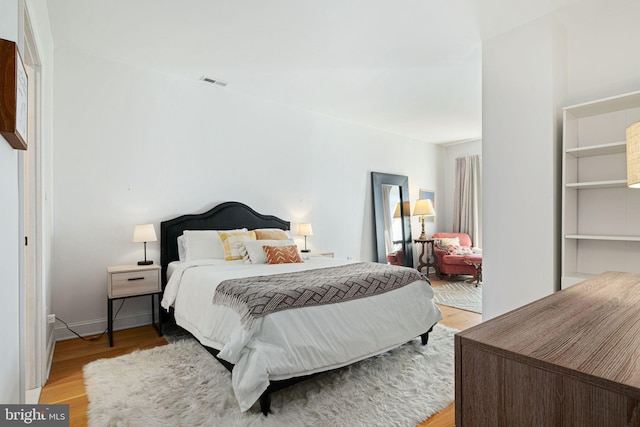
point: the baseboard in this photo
(98, 326)
(51, 348)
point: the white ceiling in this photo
(410, 67)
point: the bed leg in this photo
(425, 336)
(265, 403)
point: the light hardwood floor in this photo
(66, 384)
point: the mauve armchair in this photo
(452, 264)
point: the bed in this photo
(278, 344)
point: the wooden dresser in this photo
(569, 359)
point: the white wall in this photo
(134, 146)
(520, 150)
(451, 153)
(602, 55)
(10, 389)
(9, 271)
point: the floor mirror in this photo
(392, 213)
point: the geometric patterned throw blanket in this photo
(254, 297)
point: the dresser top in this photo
(592, 328)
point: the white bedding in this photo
(295, 342)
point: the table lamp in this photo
(423, 208)
(305, 230)
(398, 212)
(145, 233)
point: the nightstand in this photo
(126, 281)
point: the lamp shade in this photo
(397, 213)
(424, 207)
(144, 233)
(305, 230)
(633, 155)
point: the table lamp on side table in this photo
(305, 230)
(423, 208)
(143, 234)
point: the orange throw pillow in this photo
(282, 254)
(271, 234)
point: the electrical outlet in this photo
(51, 318)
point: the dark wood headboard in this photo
(225, 216)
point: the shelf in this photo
(598, 184)
(598, 150)
(602, 237)
(603, 106)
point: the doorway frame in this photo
(33, 297)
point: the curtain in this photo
(467, 204)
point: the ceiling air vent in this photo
(213, 81)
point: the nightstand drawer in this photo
(134, 282)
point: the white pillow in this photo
(182, 251)
(203, 244)
(255, 253)
(448, 241)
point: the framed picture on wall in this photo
(431, 195)
(13, 94)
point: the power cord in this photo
(97, 337)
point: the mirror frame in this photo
(378, 179)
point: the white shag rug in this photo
(181, 384)
(463, 295)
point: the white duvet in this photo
(294, 342)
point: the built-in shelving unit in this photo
(600, 215)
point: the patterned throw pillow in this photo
(458, 250)
(242, 249)
(271, 234)
(230, 240)
(282, 254)
(254, 249)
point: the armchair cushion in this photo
(454, 260)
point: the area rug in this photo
(181, 384)
(465, 296)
